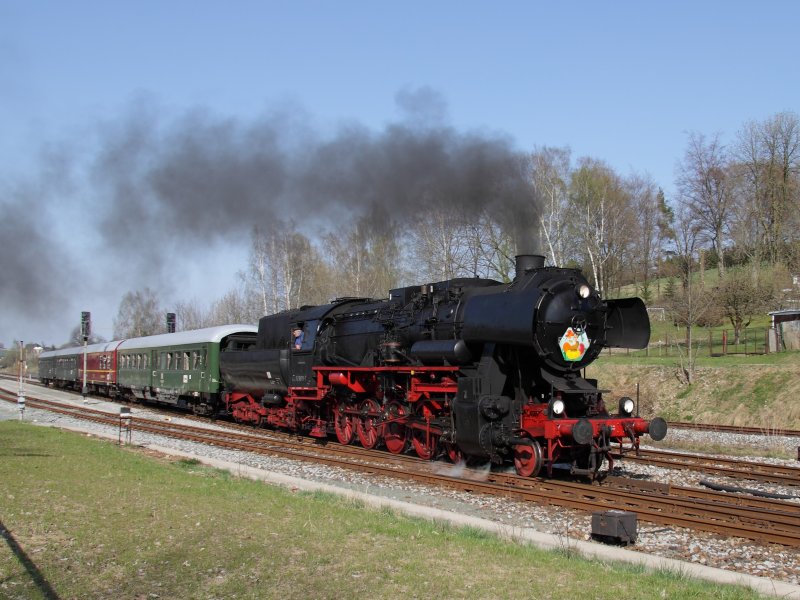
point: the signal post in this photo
(86, 329)
(21, 393)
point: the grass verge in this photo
(83, 518)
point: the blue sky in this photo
(624, 82)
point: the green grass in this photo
(87, 519)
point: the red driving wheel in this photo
(395, 433)
(528, 459)
(368, 423)
(343, 424)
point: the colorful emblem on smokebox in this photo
(573, 344)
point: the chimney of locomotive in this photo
(527, 262)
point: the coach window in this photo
(186, 361)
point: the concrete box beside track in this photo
(614, 526)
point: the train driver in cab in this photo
(298, 335)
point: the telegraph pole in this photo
(86, 327)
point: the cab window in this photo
(309, 334)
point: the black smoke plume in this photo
(158, 191)
(208, 177)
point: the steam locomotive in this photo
(467, 368)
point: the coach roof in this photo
(182, 338)
(91, 348)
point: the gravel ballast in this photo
(735, 555)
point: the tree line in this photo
(734, 213)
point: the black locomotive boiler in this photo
(467, 368)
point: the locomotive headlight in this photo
(626, 406)
(556, 407)
(584, 291)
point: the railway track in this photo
(729, 467)
(769, 521)
(765, 431)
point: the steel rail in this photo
(729, 467)
(765, 431)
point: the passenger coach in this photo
(181, 369)
(64, 368)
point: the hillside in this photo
(761, 391)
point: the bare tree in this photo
(602, 219)
(550, 174)
(691, 304)
(707, 189)
(490, 249)
(769, 156)
(76, 339)
(741, 296)
(232, 308)
(189, 316)
(645, 201)
(438, 237)
(689, 307)
(260, 275)
(281, 264)
(686, 233)
(366, 256)
(138, 315)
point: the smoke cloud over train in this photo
(149, 191)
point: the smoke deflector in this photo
(627, 324)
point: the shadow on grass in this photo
(36, 575)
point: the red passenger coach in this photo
(64, 368)
(101, 367)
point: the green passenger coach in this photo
(180, 369)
